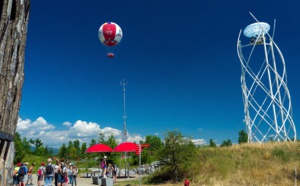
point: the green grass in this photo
(248, 164)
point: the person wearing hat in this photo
(30, 170)
(40, 174)
(49, 173)
(104, 166)
(26, 175)
(16, 175)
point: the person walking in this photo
(22, 172)
(69, 171)
(16, 175)
(74, 175)
(114, 173)
(30, 170)
(56, 172)
(49, 173)
(62, 173)
(40, 174)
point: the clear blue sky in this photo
(179, 58)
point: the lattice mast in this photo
(123, 84)
(266, 97)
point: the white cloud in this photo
(81, 130)
(53, 137)
(199, 141)
(67, 124)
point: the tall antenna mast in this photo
(123, 84)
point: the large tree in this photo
(13, 32)
(176, 155)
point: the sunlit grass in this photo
(271, 163)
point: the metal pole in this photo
(140, 162)
(123, 83)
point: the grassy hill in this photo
(249, 164)
(271, 163)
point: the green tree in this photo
(150, 154)
(39, 146)
(243, 137)
(93, 142)
(176, 155)
(63, 151)
(112, 142)
(73, 153)
(212, 143)
(226, 143)
(76, 144)
(82, 150)
(26, 145)
(101, 138)
(37, 143)
(20, 151)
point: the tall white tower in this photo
(267, 100)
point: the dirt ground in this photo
(82, 181)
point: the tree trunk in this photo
(13, 31)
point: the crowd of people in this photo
(58, 173)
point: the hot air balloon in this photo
(110, 35)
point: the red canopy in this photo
(99, 148)
(126, 147)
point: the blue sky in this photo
(178, 57)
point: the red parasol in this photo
(126, 147)
(99, 148)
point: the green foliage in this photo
(93, 142)
(212, 143)
(37, 143)
(112, 142)
(226, 143)
(73, 153)
(149, 155)
(101, 138)
(20, 151)
(63, 151)
(26, 145)
(174, 157)
(243, 137)
(76, 144)
(82, 150)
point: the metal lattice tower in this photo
(267, 100)
(123, 84)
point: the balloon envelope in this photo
(126, 147)
(110, 34)
(99, 148)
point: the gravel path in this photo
(81, 181)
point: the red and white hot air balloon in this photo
(110, 35)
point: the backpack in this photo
(49, 169)
(22, 171)
(62, 172)
(40, 172)
(102, 164)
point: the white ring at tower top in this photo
(256, 29)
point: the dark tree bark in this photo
(13, 32)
